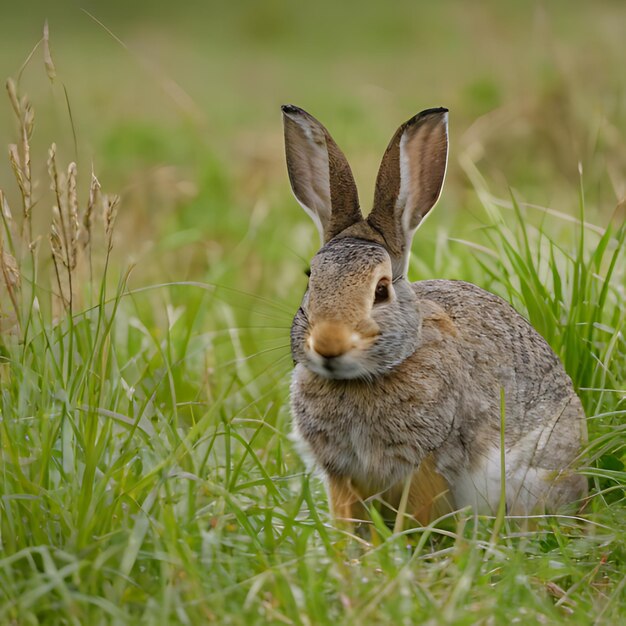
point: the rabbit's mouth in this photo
(343, 367)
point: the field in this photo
(146, 470)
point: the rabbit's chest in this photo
(363, 451)
(373, 458)
(354, 438)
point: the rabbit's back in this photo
(500, 350)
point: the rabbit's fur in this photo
(397, 387)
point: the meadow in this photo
(146, 470)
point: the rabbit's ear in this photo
(319, 173)
(409, 181)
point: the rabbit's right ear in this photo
(320, 176)
(409, 182)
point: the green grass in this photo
(146, 473)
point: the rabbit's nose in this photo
(331, 339)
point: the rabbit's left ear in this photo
(320, 176)
(409, 181)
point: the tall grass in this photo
(146, 474)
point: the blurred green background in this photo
(177, 106)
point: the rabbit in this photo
(397, 388)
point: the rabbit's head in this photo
(359, 318)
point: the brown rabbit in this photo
(397, 386)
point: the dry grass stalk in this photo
(58, 254)
(7, 219)
(94, 196)
(12, 91)
(10, 269)
(109, 213)
(8, 264)
(11, 275)
(6, 210)
(16, 166)
(19, 157)
(47, 57)
(72, 216)
(59, 213)
(27, 124)
(60, 230)
(88, 217)
(55, 239)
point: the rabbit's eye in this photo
(382, 291)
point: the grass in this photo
(146, 473)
